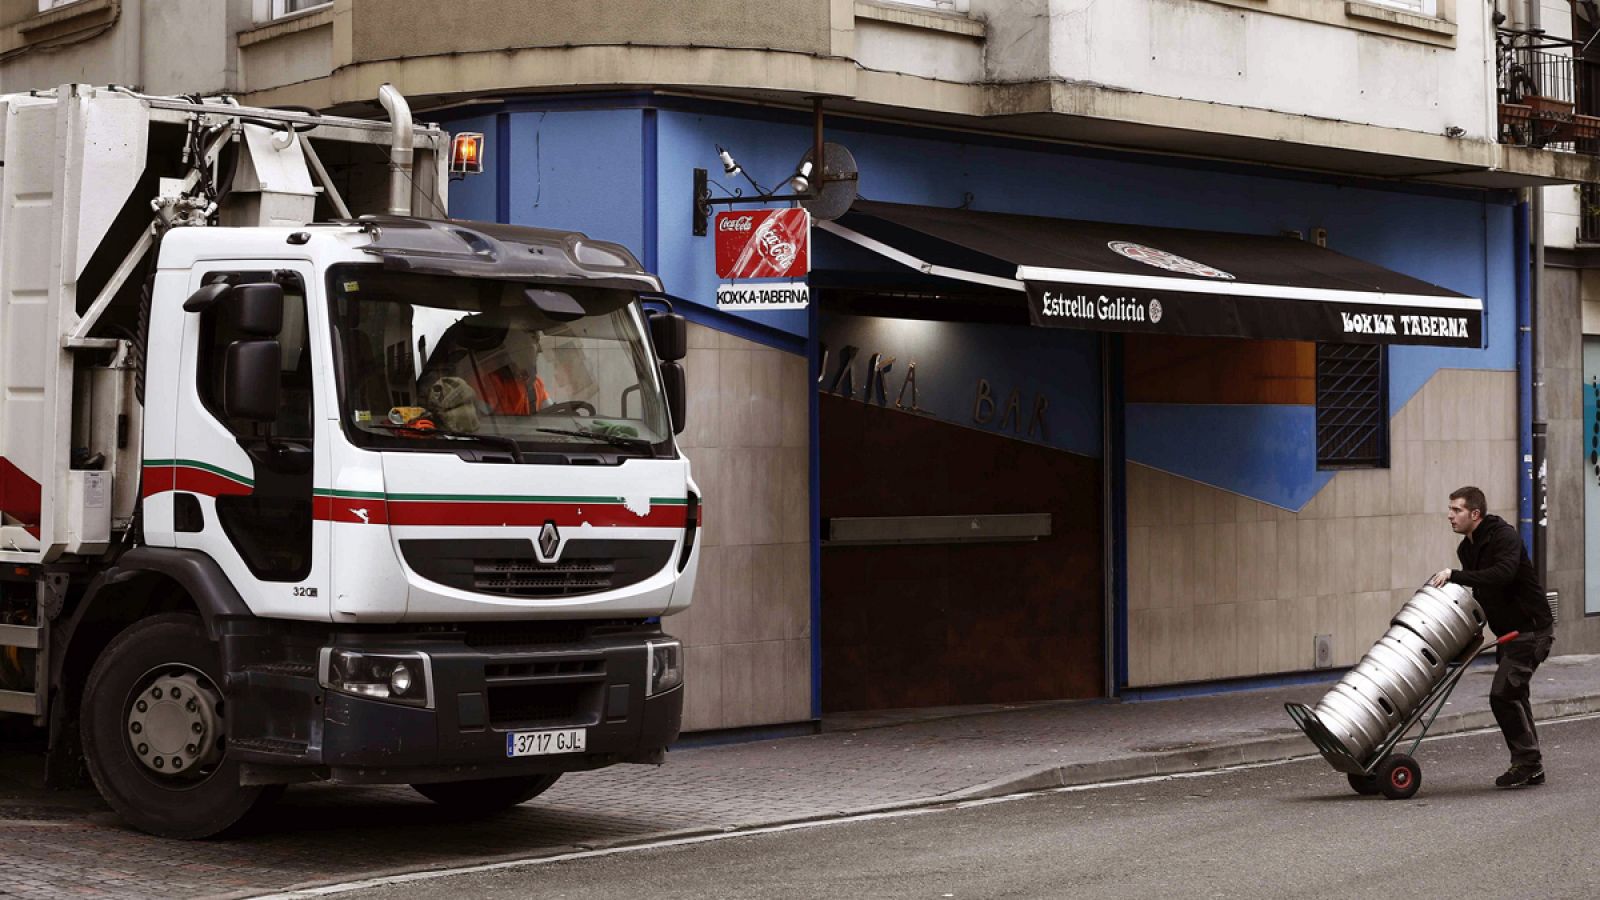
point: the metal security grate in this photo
(1352, 407)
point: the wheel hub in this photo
(174, 723)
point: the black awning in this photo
(1110, 277)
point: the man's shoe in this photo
(1517, 776)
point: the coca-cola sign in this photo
(763, 243)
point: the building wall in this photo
(1221, 585)
(747, 636)
(390, 29)
(1348, 62)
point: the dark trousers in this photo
(1508, 697)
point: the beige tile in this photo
(741, 690)
(797, 590)
(1152, 654)
(1225, 544)
(709, 609)
(740, 607)
(1211, 505)
(702, 688)
(1141, 637)
(1406, 424)
(1201, 581)
(1141, 497)
(766, 616)
(717, 503)
(1296, 629)
(1257, 649)
(1373, 550)
(1344, 497)
(1308, 572)
(796, 391)
(703, 375)
(771, 688)
(767, 500)
(1182, 492)
(1183, 592)
(735, 407)
(794, 495)
(730, 341)
(1284, 578)
(1164, 553)
(1343, 575)
(795, 704)
(766, 398)
(1320, 505)
(1214, 640)
(1138, 565)
(683, 624)
(701, 337)
(1245, 509)
(1186, 652)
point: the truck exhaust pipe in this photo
(400, 146)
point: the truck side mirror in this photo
(676, 388)
(670, 335)
(257, 309)
(251, 380)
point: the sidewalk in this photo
(60, 845)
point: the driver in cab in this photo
(498, 360)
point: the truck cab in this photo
(404, 505)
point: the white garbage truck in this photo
(290, 494)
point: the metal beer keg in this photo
(1432, 629)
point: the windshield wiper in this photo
(615, 440)
(493, 440)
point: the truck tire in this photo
(153, 724)
(491, 795)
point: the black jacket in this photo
(1495, 564)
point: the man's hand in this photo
(1440, 578)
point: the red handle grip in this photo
(1508, 637)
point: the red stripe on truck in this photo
(20, 495)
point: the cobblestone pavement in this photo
(67, 844)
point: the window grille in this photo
(1352, 407)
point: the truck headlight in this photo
(666, 666)
(394, 677)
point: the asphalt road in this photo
(1289, 830)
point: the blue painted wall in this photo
(581, 170)
(585, 169)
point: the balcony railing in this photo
(1548, 99)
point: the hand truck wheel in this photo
(1399, 776)
(1365, 785)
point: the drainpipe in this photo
(1520, 236)
(400, 144)
(1540, 423)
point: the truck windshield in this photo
(438, 363)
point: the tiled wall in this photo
(747, 635)
(1222, 586)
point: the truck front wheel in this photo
(489, 795)
(154, 731)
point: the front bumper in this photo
(481, 694)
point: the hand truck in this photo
(1395, 775)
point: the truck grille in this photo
(524, 705)
(509, 568)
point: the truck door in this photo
(244, 489)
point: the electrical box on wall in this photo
(1322, 651)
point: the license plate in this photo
(543, 743)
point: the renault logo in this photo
(549, 542)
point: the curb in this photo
(1273, 749)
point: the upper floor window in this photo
(1421, 7)
(47, 5)
(281, 8)
(955, 6)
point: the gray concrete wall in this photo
(1561, 333)
(392, 29)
